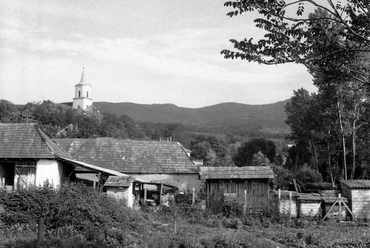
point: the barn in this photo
(247, 187)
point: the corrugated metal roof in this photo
(356, 184)
(26, 140)
(94, 167)
(246, 172)
(114, 181)
(131, 156)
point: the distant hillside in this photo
(266, 118)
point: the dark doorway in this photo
(7, 172)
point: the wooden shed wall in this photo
(220, 192)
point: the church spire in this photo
(82, 81)
(82, 97)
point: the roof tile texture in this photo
(357, 184)
(246, 172)
(26, 140)
(130, 156)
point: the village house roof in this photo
(356, 184)
(246, 172)
(131, 156)
(26, 140)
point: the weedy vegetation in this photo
(76, 216)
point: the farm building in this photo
(120, 188)
(358, 194)
(29, 157)
(163, 162)
(311, 205)
(244, 186)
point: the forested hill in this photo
(266, 118)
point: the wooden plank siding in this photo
(219, 192)
(25, 176)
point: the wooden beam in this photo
(353, 216)
(331, 208)
(20, 176)
(160, 194)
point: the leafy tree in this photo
(259, 159)
(283, 177)
(308, 176)
(213, 151)
(245, 153)
(8, 112)
(291, 36)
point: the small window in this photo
(79, 93)
(87, 94)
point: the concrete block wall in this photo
(360, 203)
(309, 209)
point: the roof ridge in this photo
(44, 138)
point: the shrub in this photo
(71, 211)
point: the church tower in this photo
(82, 94)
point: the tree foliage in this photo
(58, 120)
(213, 151)
(291, 34)
(254, 152)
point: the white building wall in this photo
(82, 96)
(286, 207)
(48, 170)
(122, 193)
(83, 103)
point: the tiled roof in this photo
(246, 172)
(26, 140)
(130, 156)
(327, 198)
(356, 184)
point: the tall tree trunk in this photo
(313, 151)
(329, 159)
(353, 149)
(343, 137)
(354, 131)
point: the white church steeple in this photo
(82, 93)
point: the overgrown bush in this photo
(70, 211)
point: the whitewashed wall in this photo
(123, 193)
(48, 170)
(286, 207)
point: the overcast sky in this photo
(140, 51)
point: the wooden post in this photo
(279, 199)
(245, 203)
(290, 204)
(40, 231)
(160, 194)
(193, 198)
(340, 207)
(145, 192)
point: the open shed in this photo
(120, 188)
(244, 186)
